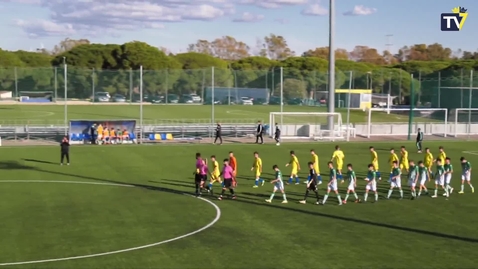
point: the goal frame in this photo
(339, 133)
(369, 119)
(468, 124)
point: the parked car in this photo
(118, 98)
(186, 99)
(196, 98)
(156, 99)
(172, 98)
(247, 101)
(259, 101)
(229, 100)
(101, 97)
(295, 101)
(274, 100)
(216, 102)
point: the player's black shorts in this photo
(228, 183)
(203, 177)
(197, 178)
(312, 186)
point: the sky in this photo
(173, 24)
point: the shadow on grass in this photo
(38, 161)
(14, 165)
(11, 165)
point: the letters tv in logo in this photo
(454, 21)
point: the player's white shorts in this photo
(411, 183)
(351, 186)
(440, 180)
(333, 186)
(396, 183)
(466, 176)
(371, 186)
(447, 179)
(278, 186)
(423, 179)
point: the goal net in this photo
(36, 97)
(465, 122)
(303, 125)
(395, 121)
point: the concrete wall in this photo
(376, 129)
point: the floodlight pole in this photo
(65, 69)
(331, 101)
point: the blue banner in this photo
(84, 126)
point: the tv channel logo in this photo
(454, 21)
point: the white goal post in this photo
(394, 121)
(466, 121)
(309, 125)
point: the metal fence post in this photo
(66, 94)
(93, 84)
(16, 82)
(470, 97)
(212, 95)
(140, 138)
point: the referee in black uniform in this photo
(259, 132)
(218, 134)
(65, 151)
(277, 135)
(419, 140)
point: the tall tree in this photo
(260, 48)
(424, 52)
(277, 47)
(389, 57)
(68, 44)
(468, 55)
(323, 53)
(201, 46)
(367, 55)
(228, 48)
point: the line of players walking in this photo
(418, 173)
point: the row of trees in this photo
(108, 68)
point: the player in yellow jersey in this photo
(391, 159)
(215, 173)
(257, 168)
(441, 155)
(338, 156)
(374, 156)
(428, 162)
(294, 168)
(404, 162)
(315, 165)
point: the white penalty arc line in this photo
(214, 221)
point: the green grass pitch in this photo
(54, 114)
(56, 220)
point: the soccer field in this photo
(54, 114)
(132, 211)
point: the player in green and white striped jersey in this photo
(332, 185)
(465, 175)
(396, 180)
(439, 178)
(352, 178)
(413, 178)
(448, 175)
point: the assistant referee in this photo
(65, 151)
